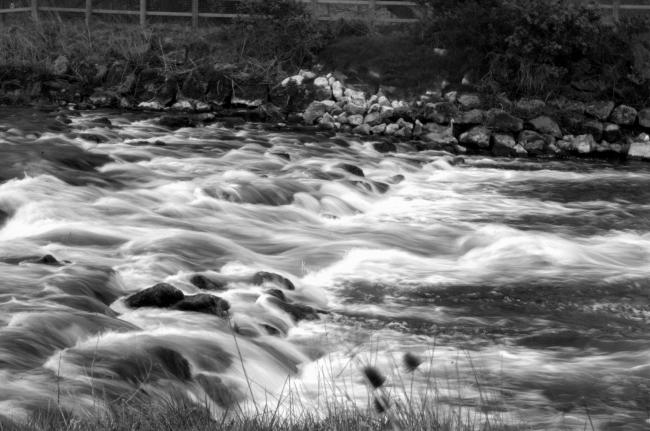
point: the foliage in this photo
(280, 30)
(533, 47)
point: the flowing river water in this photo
(523, 284)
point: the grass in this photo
(393, 403)
(106, 53)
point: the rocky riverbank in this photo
(455, 121)
(464, 122)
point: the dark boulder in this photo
(594, 128)
(171, 361)
(160, 295)
(380, 187)
(384, 147)
(83, 303)
(354, 170)
(48, 259)
(600, 109)
(263, 277)
(611, 133)
(500, 121)
(297, 312)
(204, 303)
(533, 142)
(99, 122)
(559, 338)
(546, 126)
(503, 145)
(4, 216)
(644, 118)
(623, 115)
(217, 390)
(441, 112)
(176, 121)
(271, 330)
(277, 293)
(168, 92)
(204, 283)
(94, 137)
(470, 118)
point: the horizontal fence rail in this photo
(375, 11)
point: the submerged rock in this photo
(48, 259)
(175, 121)
(297, 312)
(354, 170)
(277, 293)
(204, 303)
(264, 277)
(384, 147)
(4, 216)
(217, 390)
(205, 283)
(161, 295)
(171, 361)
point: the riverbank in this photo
(181, 415)
(196, 78)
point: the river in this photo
(522, 284)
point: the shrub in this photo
(281, 30)
(534, 47)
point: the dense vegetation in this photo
(541, 47)
(518, 47)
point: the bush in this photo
(280, 30)
(535, 47)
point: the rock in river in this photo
(161, 295)
(205, 283)
(204, 303)
(264, 277)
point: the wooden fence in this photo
(374, 10)
(371, 10)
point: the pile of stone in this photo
(465, 123)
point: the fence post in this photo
(35, 10)
(143, 13)
(372, 10)
(616, 10)
(195, 14)
(89, 11)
